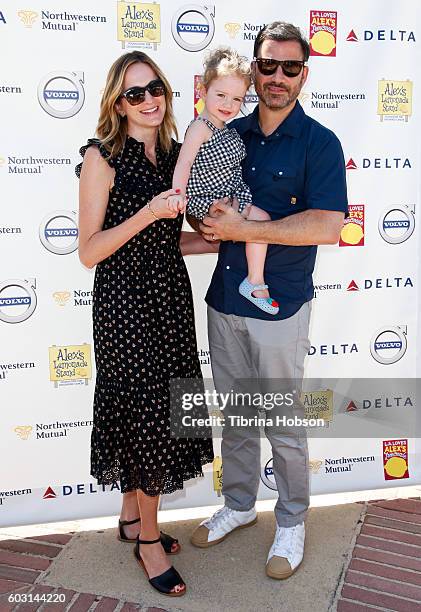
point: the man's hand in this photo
(224, 222)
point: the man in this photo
(295, 169)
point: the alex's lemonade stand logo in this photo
(395, 459)
(352, 233)
(70, 364)
(323, 26)
(138, 24)
(394, 100)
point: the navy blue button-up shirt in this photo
(300, 166)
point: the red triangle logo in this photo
(351, 407)
(352, 37)
(351, 165)
(352, 286)
(49, 494)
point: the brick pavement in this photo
(384, 572)
(23, 563)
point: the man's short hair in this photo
(281, 31)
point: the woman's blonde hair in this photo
(224, 61)
(112, 128)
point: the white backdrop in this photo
(362, 85)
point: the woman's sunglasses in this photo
(136, 95)
(290, 68)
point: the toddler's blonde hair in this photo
(224, 61)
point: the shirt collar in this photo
(291, 126)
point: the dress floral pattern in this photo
(144, 336)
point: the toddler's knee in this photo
(257, 214)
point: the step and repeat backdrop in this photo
(362, 85)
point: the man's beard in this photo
(286, 96)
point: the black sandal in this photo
(165, 582)
(121, 535)
(167, 541)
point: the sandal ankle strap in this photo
(123, 523)
(139, 541)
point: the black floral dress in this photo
(144, 336)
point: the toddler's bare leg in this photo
(256, 254)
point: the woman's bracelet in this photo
(148, 205)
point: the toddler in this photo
(209, 164)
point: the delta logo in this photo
(347, 348)
(379, 163)
(395, 402)
(49, 494)
(403, 36)
(352, 233)
(323, 28)
(388, 282)
(79, 489)
(395, 459)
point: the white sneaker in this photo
(286, 552)
(216, 528)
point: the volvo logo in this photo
(193, 26)
(61, 94)
(396, 224)
(59, 232)
(18, 300)
(267, 476)
(249, 103)
(388, 344)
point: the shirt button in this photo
(253, 168)
(227, 267)
(262, 142)
(280, 173)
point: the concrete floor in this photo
(228, 576)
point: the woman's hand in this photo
(159, 205)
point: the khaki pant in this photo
(266, 352)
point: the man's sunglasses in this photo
(136, 95)
(290, 68)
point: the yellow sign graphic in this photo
(352, 233)
(303, 97)
(315, 465)
(318, 404)
(396, 467)
(394, 99)
(323, 42)
(61, 297)
(23, 431)
(138, 23)
(70, 363)
(232, 29)
(28, 18)
(217, 475)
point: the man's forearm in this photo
(305, 228)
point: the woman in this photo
(142, 308)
